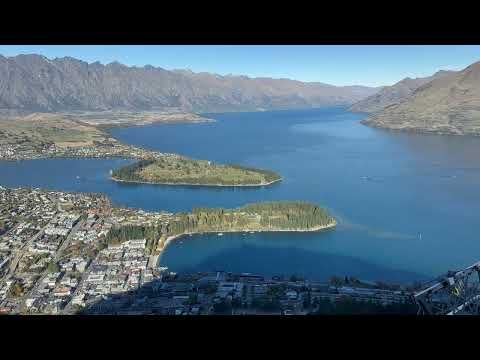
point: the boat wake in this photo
(344, 223)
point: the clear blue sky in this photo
(338, 65)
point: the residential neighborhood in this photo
(107, 149)
(55, 259)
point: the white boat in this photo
(220, 234)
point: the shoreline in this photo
(189, 184)
(72, 157)
(170, 238)
(108, 127)
(416, 130)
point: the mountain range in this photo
(38, 84)
(448, 104)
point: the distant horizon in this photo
(354, 65)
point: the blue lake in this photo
(407, 204)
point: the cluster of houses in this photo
(7, 151)
(37, 222)
(77, 264)
(55, 290)
(124, 216)
(6, 305)
(108, 148)
(62, 224)
(24, 151)
(208, 293)
(91, 230)
(116, 269)
(47, 244)
(52, 293)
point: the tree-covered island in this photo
(184, 171)
(268, 216)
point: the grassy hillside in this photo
(448, 105)
(36, 129)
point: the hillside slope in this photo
(447, 105)
(395, 94)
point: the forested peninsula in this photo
(268, 216)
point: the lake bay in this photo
(407, 204)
